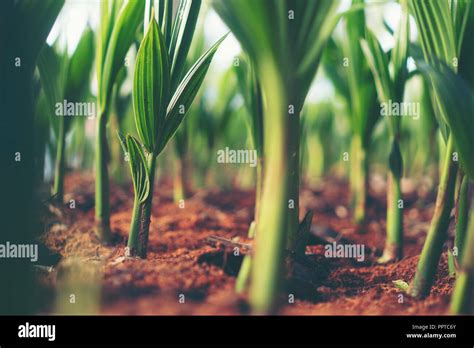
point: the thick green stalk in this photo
(359, 183)
(462, 209)
(294, 181)
(426, 271)
(180, 179)
(394, 243)
(463, 295)
(116, 154)
(258, 187)
(272, 221)
(146, 208)
(58, 188)
(243, 278)
(102, 204)
(132, 243)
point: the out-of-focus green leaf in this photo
(466, 48)
(252, 93)
(336, 72)
(378, 63)
(121, 37)
(399, 56)
(34, 20)
(362, 94)
(49, 67)
(456, 104)
(80, 66)
(437, 35)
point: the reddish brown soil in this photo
(180, 262)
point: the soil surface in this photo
(185, 274)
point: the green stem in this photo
(102, 204)
(146, 209)
(58, 188)
(463, 296)
(462, 208)
(258, 187)
(359, 179)
(132, 243)
(294, 180)
(394, 243)
(116, 153)
(272, 222)
(437, 233)
(180, 179)
(243, 278)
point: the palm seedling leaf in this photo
(440, 32)
(79, 67)
(151, 87)
(185, 93)
(251, 91)
(181, 37)
(138, 167)
(456, 104)
(121, 37)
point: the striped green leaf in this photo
(182, 34)
(185, 93)
(151, 87)
(138, 167)
(436, 28)
(442, 25)
(378, 63)
(455, 101)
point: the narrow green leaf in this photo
(122, 36)
(456, 104)
(185, 93)
(399, 56)
(378, 63)
(79, 67)
(435, 25)
(181, 37)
